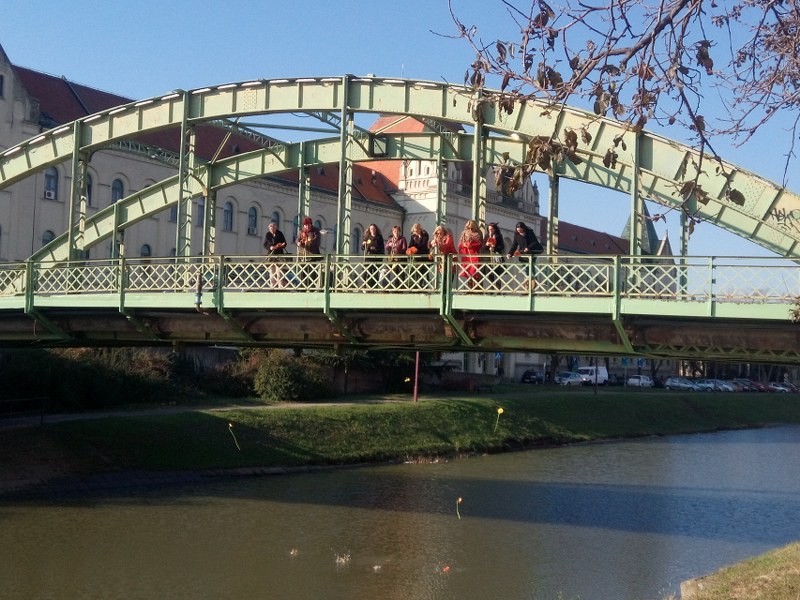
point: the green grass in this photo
(771, 576)
(374, 429)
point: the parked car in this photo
(680, 383)
(779, 386)
(562, 375)
(640, 381)
(714, 385)
(592, 375)
(532, 377)
(571, 379)
(748, 385)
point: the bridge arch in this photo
(646, 165)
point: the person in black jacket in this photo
(525, 244)
(495, 246)
(275, 245)
(274, 240)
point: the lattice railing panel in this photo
(756, 283)
(396, 276)
(12, 280)
(275, 274)
(77, 278)
(168, 275)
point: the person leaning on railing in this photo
(442, 243)
(418, 243)
(374, 247)
(308, 241)
(525, 244)
(469, 247)
(495, 247)
(396, 247)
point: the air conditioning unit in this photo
(252, 231)
(50, 194)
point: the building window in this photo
(356, 240)
(227, 217)
(276, 218)
(88, 190)
(117, 190)
(252, 221)
(51, 183)
(173, 213)
(201, 212)
(47, 237)
(146, 251)
(295, 227)
(2, 85)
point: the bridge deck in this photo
(695, 307)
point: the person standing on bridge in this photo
(374, 247)
(495, 248)
(418, 242)
(469, 247)
(442, 243)
(308, 241)
(275, 245)
(396, 247)
(525, 246)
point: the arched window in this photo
(276, 218)
(227, 217)
(146, 251)
(318, 224)
(51, 183)
(88, 190)
(252, 221)
(355, 243)
(201, 211)
(117, 190)
(295, 227)
(47, 237)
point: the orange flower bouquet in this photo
(411, 251)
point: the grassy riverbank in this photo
(369, 429)
(773, 576)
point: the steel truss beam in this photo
(656, 168)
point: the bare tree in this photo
(714, 67)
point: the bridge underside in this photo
(471, 331)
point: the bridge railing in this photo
(739, 280)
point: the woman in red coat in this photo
(469, 246)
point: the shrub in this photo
(284, 378)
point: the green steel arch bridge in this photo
(707, 307)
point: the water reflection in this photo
(619, 520)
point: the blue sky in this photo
(146, 48)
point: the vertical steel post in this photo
(552, 217)
(210, 223)
(77, 195)
(637, 204)
(441, 190)
(344, 203)
(304, 187)
(186, 165)
(478, 175)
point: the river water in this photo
(607, 521)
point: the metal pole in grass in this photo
(416, 378)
